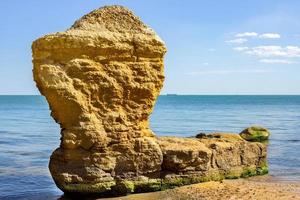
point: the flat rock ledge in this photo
(101, 79)
(186, 161)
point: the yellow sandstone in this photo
(101, 79)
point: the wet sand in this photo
(260, 188)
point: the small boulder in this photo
(201, 135)
(255, 134)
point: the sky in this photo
(214, 47)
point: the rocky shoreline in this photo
(101, 79)
(188, 161)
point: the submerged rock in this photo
(101, 79)
(255, 133)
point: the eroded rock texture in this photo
(101, 78)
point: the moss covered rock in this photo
(255, 134)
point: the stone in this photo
(255, 133)
(184, 154)
(222, 155)
(101, 78)
(201, 135)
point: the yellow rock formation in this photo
(101, 79)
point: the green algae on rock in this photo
(255, 134)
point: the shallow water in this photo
(28, 134)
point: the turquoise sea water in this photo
(28, 134)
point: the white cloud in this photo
(237, 41)
(240, 48)
(247, 34)
(225, 72)
(293, 49)
(276, 61)
(269, 36)
(271, 51)
(266, 51)
(262, 36)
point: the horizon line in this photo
(181, 94)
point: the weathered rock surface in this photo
(219, 156)
(255, 134)
(101, 78)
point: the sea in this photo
(28, 134)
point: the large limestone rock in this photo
(101, 78)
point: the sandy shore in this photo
(259, 188)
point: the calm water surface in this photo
(28, 134)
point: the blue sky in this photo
(214, 47)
